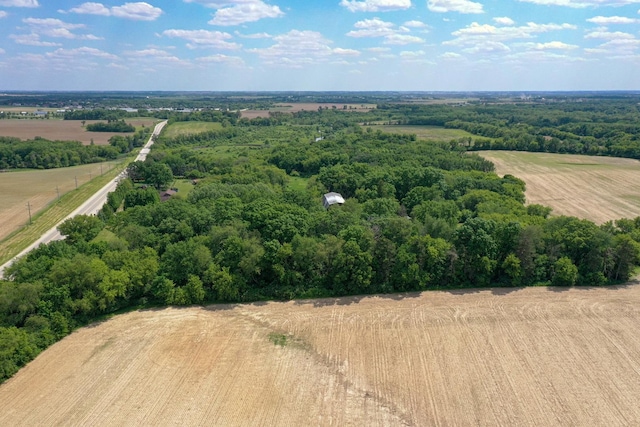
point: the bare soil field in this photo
(61, 130)
(527, 357)
(38, 188)
(294, 107)
(595, 188)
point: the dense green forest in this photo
(417, 216)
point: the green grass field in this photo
(429, 133)
(189, 128)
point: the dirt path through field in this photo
(595, 188)
(536, 356)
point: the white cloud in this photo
(402, 39)
(50, 27)
(451, 55)
(31, 40)
(346, 52)
(555, 45)
(19, 3)
(378, 28)
(299, 48)
(415, 24)
(91, 9)
(222, 59)
(2, 51)
(139, 11)
(245, 12)
(203, 38)
(375, 5)
(488, 47)
(607, 20)
(475, 33)
(504, 21)
(372, 28)
(79, 52)
(582, 3)
(253, 36)
(608, 35)
(461, 6)
(3, 14)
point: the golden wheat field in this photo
(527, 357)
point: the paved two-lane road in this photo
(92, 206)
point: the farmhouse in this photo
(166, 195)
(332, 199)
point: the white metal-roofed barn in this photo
(331, 199)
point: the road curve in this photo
(90, 207)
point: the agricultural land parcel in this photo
(533, 356)
(38, 187)
(62, 130)
(305, 106)
(595, 188)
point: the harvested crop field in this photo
(38, 188)
(62, 130)
(595, 188)
(533, 357)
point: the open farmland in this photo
(38, 187)
(62, 130)
(533, 356)
(294, 107)
(595, 188)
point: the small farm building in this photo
(332, 199)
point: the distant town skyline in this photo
(320, 45)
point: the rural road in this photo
(91, 206)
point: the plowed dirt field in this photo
(532, 357)
(595, 188)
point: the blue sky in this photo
(408, 45)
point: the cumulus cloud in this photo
(222, 59)
(480, 33)
(378, 28)
(297, 48)
(607, 20)
(415, 24)
(253, 36)
(375, 5)
(582, 3)
(50, 27)
(138, 11)
(3, 14)
(19, 3)
(461, 6)
(555, 45)
(31, 40)
(245, 12)
(203, 38)
(504, 21)
(608, 35)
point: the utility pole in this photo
(76, 177)
(58, 191)
(100, 168)
(29, 208)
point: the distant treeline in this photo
(111, 126)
